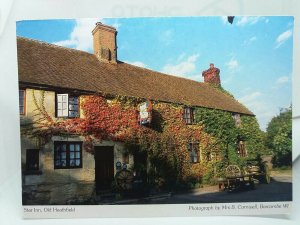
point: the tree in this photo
(279, 138)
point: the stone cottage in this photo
(70, 150)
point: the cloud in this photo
(248, 20)
(249, 41)
(250, 97)
(184, 68)
(282, 80)
(255, 102)
(232, 65)
(283, 37)
(138, 63)
(81, 36)
(66, 43)
(116, 25)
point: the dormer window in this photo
(188, 115)
(67, 106)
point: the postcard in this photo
(156, 115)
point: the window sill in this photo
(33, 172)
(66, 168)
(190, 124)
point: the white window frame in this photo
(63, 108)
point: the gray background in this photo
(12, 11)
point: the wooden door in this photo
(104, 167)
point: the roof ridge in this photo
(165, 74)
(53, 45)
(76, 50)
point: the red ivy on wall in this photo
(118, 121)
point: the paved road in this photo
(280, 189)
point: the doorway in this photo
(104, 167)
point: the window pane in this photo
(63, 155)
(64, 98)
(77, 155)
(64, 105)
(63, 163)
(65, 112)
(77, 147)
(59, 106)
(188, 115)
(21, 101)
(72, 162)
(59, 98)
(72, 155)
(194, 152)
(73, 114)
(195, 159)
(57, 155)
(73, 107)
(32, 159)
(72, 148)
(57, 149)
(73, 100)
(77, 162)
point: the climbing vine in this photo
(165, 141)
(222, 126)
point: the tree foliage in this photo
(279, 138)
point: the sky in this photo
(254, 54)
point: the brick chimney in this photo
(212, 75)
(105, 44)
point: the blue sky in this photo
(254, 54)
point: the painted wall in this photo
(58, 186)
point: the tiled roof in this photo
(41, 63)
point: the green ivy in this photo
(254, 137)
(221, 125)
